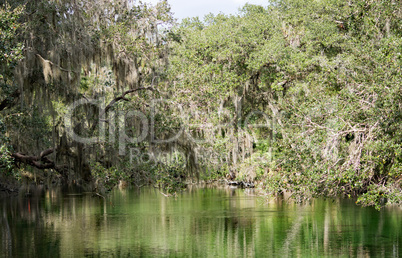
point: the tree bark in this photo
(40, 162)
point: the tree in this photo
(327, 71)
(10, 54)
(78, 50)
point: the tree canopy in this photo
(301, 96)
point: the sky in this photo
(187, 8)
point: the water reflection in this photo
(201, 222)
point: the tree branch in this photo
(117, 99)
(123, 96)
(40, 162)
(50, 62)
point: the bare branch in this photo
(123, 96)
(46, 152)
(117, 99)
(40, 162)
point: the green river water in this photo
(201, 222)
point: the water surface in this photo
(202, 222)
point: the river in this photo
(201, 222)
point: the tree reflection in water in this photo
(200, 222)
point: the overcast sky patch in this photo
(184, 8)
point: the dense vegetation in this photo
(303, 97)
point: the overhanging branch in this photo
(53, 64)
(40, 162)
(117, 99)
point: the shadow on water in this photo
(200, 222)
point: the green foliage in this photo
(73, 51)
(10, 48)
(10, 55)
(330, 74)
(106, 178)
(171, 177)
(6, 162)
(326, 74)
